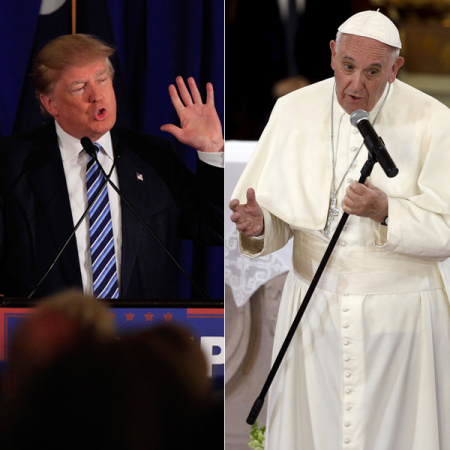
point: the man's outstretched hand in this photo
(249, 218)
(200, 125)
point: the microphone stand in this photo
(66, 243)
(259, 402)
(90, 149)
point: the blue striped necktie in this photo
(103, 256)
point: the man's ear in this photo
(49, 105)
(398, 63)
(333, 53)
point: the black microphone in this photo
(89, 147)
(373, 142)
(91, 150)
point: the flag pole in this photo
(74, 16)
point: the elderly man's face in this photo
(362, 67)
(83, 102)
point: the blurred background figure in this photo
(73, 385)
(59, 325)
(273, 48)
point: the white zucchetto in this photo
(374, 25)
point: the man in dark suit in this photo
(43, 190)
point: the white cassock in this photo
(369, 366)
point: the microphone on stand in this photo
(373, 142)
(91, 150)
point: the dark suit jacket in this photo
(36, 218)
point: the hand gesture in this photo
(249, 218)
(200, 124)
(366, 200)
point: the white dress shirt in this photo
(75, 160)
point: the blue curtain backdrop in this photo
(156, 41)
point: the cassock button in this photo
(348, 374)
(346, 359)
(346, 342)
(345, 309)
(348, 391)
(348, 408)
(349, 180)
(355, 130)
(346, 424)
(347, 441)
(346, 325)
(344, 244)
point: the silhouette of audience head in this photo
(72, 384)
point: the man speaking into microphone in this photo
(48, 180)
(369, 365)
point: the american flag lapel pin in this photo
(139, 176)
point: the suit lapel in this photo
(48, 182)
(133, 190)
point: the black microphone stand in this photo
(90, 149)
(66, 243)
(259, 402)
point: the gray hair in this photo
(395, 52)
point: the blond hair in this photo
(66, 51)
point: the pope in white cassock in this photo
(369, 366)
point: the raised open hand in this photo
(200, 124)
(249, 218)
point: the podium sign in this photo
(206, 325)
